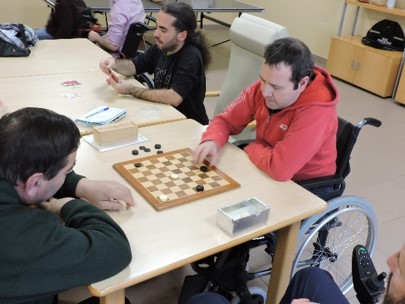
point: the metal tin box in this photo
(238, 217)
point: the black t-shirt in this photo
(183, 72)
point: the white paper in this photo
(150, 111)
(101, 116)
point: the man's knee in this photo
(312, 273)
(315, 284)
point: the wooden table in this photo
(162, 241)
(46, 91)
(54, 57)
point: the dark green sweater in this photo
(40, 257)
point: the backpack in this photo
(15, 40)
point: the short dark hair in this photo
(35, 140)
(187, 21)
(293, 53)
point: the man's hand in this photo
(120, 86)
(205, 149)
(55, 205)
(123, 66)
(107, 195)
(94, 36)
(106, 65)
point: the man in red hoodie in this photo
(294, 105)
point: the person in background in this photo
(123, 13)
(315, 285)
(178, 60)
(64, 20)
(53, 234)
(294, 105)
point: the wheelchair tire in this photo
(256, 292)
(348, 221)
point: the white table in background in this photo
(54, 57)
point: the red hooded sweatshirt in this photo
(297, 142)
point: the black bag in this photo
(8, 49)
(15, 39)
(385, 35)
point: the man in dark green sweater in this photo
(50, 240)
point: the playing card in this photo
(114, 76)
(70, 83)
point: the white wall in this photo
(30, 12)
(313, 21)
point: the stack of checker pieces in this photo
(174, 176)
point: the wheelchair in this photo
(131, 45)
(325, 240)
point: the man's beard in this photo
(169, 48)
(388, 299)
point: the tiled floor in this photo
(378, 175)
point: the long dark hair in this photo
(187, 21)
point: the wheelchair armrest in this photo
(150, 18)
(241, 143)
(146, 80)
(212, 93)
(320, 182)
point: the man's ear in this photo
(302, 84)
(182, 35)
(33, 184)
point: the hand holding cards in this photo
(113, 78)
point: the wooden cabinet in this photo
(369, 68)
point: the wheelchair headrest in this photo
(253, 33)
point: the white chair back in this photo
(249, 36)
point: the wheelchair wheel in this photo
(257, 294)
(327, 240)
